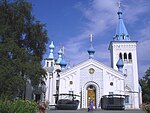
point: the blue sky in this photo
(69, 23)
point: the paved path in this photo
(95, 111)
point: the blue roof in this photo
(58, 61)
(51, 56)
(91, 49)
(121, 31)
(120, 63)
(51, 46)
(60, 52)
(63, 62)
(59, 56)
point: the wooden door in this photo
(91, 94)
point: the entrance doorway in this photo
(91, 94)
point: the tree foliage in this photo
(22, 44)
(145, 83)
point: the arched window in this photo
(125, 56)
(120, 55)
(47, 64)
(51, 64)
(130, 57)
(117, 37)
(123, 36)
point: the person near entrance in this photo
(91, 106)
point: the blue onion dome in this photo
(63, 63)
(60, 52)
(59, 56)
(91, 49)
(51, 46)
(120, 63)
(91, 52)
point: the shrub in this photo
(146, 107)
(17, 106)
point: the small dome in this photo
(59, 56)
(120, 63)
(51, 46)
(91, 50)
(63, 63)
(60, 52)
(59, 60)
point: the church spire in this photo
(91, 50)
(121, 31)
(51, 47)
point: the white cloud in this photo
(144, 44)
(101, 16)
(136, 12)
(134, 9)
(144, 50)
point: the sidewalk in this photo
(95, 111)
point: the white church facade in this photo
(92, 79)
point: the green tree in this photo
(145, 84)
(23, 42)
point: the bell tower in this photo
(50, 81)
(122, 47)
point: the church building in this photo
(94, 80)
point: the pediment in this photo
(92, 63)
